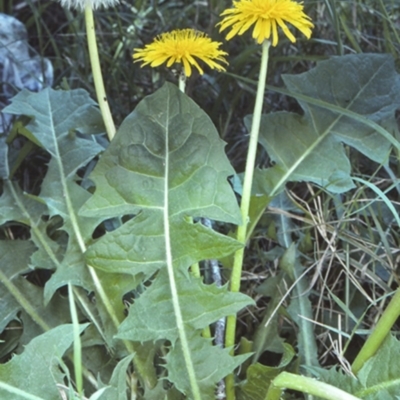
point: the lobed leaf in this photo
(152, 315)
(37, 370)
(310, 147)
(165, 167)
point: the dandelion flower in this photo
(266, 16)
(182, 46)
(93, 4)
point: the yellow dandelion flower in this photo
(266, 16)
(182, 46)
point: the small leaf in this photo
(36, 370)
(259, 377)
(14, 260)
(267, 336)
(117, 389)
(219, 364)
(380, 374)
(55, 115)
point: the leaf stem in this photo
(245, 203)
(196, 394)
(97, 75)
(77, 342)
(378, 335)
(286, 380)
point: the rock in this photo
(20, 66)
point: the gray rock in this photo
(20, 66)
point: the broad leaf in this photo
(167, 166)
(310, 147)
(152, 315)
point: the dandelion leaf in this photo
(117, 387)
(219, 364)
(152, 315)
(165, 168)
(166, 164)
(36, 371)
(259, 377)
(62, 123)
(14, 261)
(309, 147)
(378, 379)
(380, 374)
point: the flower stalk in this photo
(97, 75)
(264, 17)
(245, 203)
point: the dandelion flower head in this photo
(266, 16)
(93, 4)
(182, 46)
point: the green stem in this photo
(77, 342)
(286, 380)
(195, 268)
(378, 335)
(196, 393)
(245, 203)
(97, 75)
(18, 392)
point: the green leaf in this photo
(36, 370)
(117, 389)
(380, 375)
(56, 117)
(14, 259)
(219, 364)
(167, 166)
(167, 149)
(378, 379)
(309, 148)
(152, 315)
(266, 336)
(22, 300)
(300, 308)
(259, 377)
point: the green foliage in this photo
(367, 85)
(37, 371)
(166, 165)
(377, 379)
(146, 172)
(122, 224)
(259, 377)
